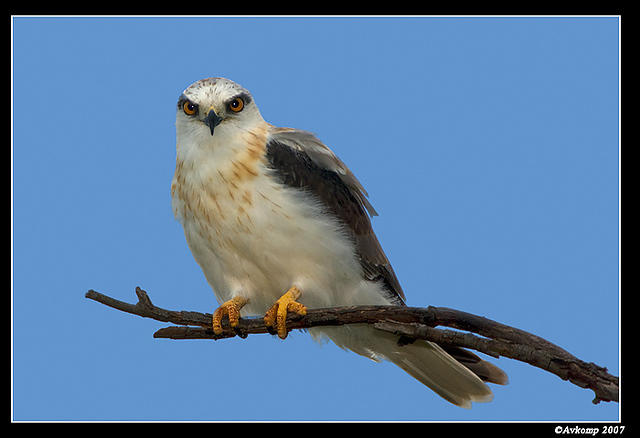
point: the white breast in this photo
(255, 237)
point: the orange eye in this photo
(189, 108)
(236, 105)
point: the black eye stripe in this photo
(182, 100)
(185, 104)
(246, 99)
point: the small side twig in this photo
(495, 339)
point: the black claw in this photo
(240, 332)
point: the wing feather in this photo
(301, 160)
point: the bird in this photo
(279, 224)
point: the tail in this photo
(457, 375)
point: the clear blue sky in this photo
(489, 146)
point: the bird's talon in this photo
(230, 308)
(277, 314)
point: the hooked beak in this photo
(212, 120)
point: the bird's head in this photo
(216, 107)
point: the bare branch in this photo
(410, 323)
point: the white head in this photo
(215, 110)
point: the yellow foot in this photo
(230, 308)
(277, 314)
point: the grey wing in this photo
(300, 160)
(324, 158)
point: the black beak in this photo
(212, 120)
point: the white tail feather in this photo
(425, 361)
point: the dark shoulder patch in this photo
(295, 169)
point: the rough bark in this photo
(409, 323)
